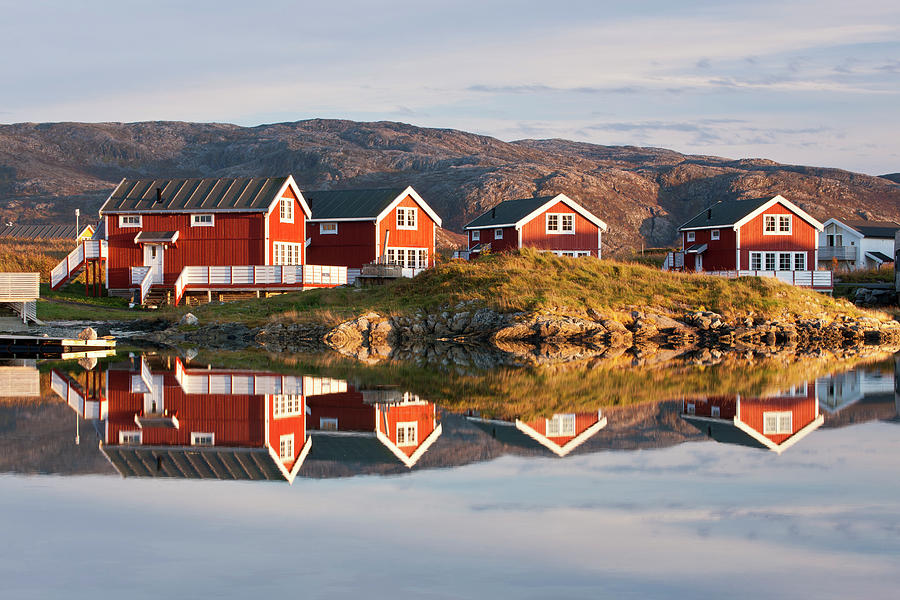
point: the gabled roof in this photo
(515, 213)
(870, 229)
(40, 232)
(734, 213)
(735, 431)
(244, 194)
(520, 434)
(361, 205)
(879, 256)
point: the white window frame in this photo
(690, 408)
(403, 430)
(756, 261)
(715, 412)
(287, 405)
(131, 221)
(498, 234)
(773, 224)
(785, 258)
(556, 223)
(799, 257)
(562, 425)
(783, 422)
(401, 256)
(286, 447)
(691, 236)
(476, 235)
(286, 210)
(714, 234)
(198, 438)
(329, 228)
(766, 257)
(331, 422)
(196, 222)
(407, 217)
(571, 253)
(287, 253)
(131, 437)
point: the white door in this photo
(153, 257)
(698, 262)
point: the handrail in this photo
(146, 282)
(86, 249)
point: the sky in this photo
(812, 82)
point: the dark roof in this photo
(156, 236)
(874, 229)
(509, 212)
(194, 462)
(39, 232)
(349, 448)
(226, 193)
(350, 204)
(696, 248)
(725, 213)
(100, 231)
(724, 432)
(881, 256)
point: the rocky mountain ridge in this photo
(48, 169)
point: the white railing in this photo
(813, 279)
(674, 262)
(259, 276)
(19, 287)
(137, 274)
(146, 282)
(26, 310)
(88, 249)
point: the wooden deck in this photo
(21, 291)
(23, 346)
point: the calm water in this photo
(149, 476)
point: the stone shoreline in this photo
(483, 337)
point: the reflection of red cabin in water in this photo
(201, 423)
(371, 425)
(560, 433)
(775, 423)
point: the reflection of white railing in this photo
(813, 279)
(86, 250)
(262, 276)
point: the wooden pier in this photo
(22, 346)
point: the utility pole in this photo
(77, 214)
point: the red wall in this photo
(703, 407)
(803, 237)
(286, 426)
(287, 232)
(422, 414)
(802, 409)
(583, 421)
(720, 254)
(510, 239)
(534, 233)
(352, 247)
(352, 413)
(420, 237)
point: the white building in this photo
(857, 244)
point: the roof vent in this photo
(708, 214)
(159, 194)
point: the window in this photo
(561, 426)
(286, 253)
(129, 220)
(202, 439)
(476, 235)
(770, 261)
(408, 258)
(286, 447)
(498, 234)
(799, 261)
(756, 261)
(287, 405)
(328, 228)
(286, 210)
(784, 261)
(715, 411)
(691, 236)
(777, 224)
(328, 424)
(690, 408)
(130, 438)
(560, 223)
(714, 234)
(406, 218)
(777, 423)
(407, 434)
(202, 221)
(572, 253)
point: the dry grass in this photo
(29, 256)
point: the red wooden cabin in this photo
(560, 433)
(760, 236)
(171, 421)
(169, 236)
(774, 423)
(372, 425)
(555, 224)
(353, 228)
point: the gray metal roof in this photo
(350, 204)
(155, 236)
(39, 232)
(725, 213)
(509, 212)
(194, 195)
(194, 462)
(359, 449)
(724, 431)
(874, 229)
(880, 256)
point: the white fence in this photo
(813, 279)
(88, 249)
(19, 287)
(253, 277)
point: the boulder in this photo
(188, 319)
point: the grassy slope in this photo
(530, 281)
